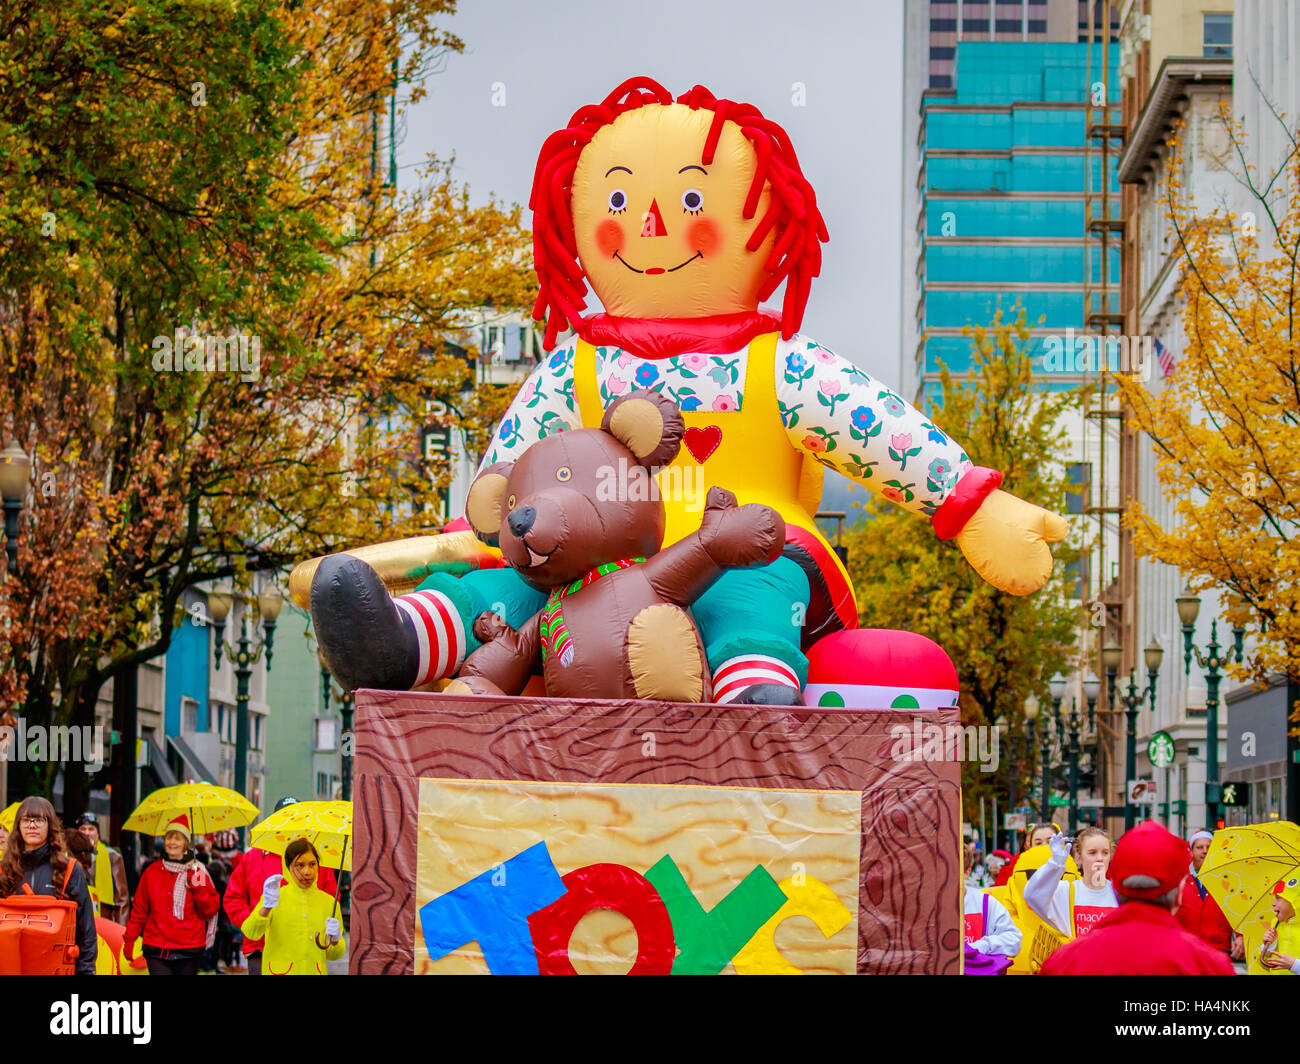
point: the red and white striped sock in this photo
(440, 632)
(736, 674)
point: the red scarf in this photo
(655, 338)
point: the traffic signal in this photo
(1236, 794)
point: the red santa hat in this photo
(1200, 834)
(181, 824)
(1145, 854)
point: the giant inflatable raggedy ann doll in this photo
(683, 216)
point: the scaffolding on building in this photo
(1110, 579)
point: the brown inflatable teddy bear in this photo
(616, 623)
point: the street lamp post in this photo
(1072, 752)
(1132, 699)
(346, 707)
(1031, 720)
(1056, 686)
(243, 658)
(1091, 689)
(1189, 606)
(14, 469)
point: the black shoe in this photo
(769, 694)
(365, 639)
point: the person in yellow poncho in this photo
(295, 918)
(1282, 943)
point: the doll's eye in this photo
(510, 503)
(693, 200)
(618, 201)
(563, 473)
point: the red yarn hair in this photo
(792, 217)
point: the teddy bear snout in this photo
(520, 520)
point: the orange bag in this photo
(38, 934)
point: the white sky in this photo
(555, 55)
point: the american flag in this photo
(1165, 357)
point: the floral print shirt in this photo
(849, 421)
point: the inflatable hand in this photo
(271, 892)
(1060, 848)
(1006, 541)
(737, 536)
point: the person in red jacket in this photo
(244, 890)
(174, 908)
(1141, 937)
(1197, 911)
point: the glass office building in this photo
(1006, 173)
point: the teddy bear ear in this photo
(648, 424)
(485, 506)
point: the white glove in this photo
(334, 929)
(1060, 848)
(271, 892)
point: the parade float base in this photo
(705, 838)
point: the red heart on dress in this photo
(702, 442)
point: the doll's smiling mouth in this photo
(654, 270)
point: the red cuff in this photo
(958, 508)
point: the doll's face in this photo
(659, 234)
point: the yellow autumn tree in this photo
(1226, 423)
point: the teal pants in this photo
(759, 610)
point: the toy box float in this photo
(535, 835)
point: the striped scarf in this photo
(556, 640)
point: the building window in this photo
(1078, 486)
(324, 733)
(1078, 577)
(189, 715)
(1216, 35)
(327, 786)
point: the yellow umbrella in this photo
(1241, 868)
(7, 817)
(209, 808)
(326, 825)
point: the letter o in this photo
(605, 886)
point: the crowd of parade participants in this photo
(1059, 907)
(199, 904)
(1138, 906)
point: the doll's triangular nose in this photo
(652, 222)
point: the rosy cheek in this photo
(609, 237)
(704, 236)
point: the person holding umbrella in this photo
(245, 888)
(1282, 942)
(295, 918)
(175, 907)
